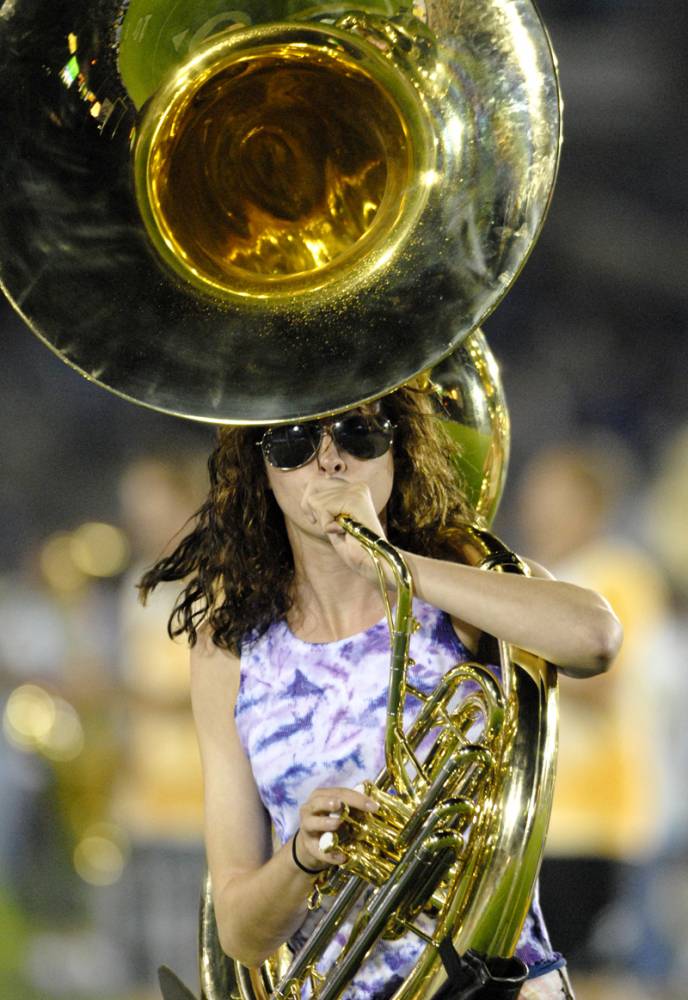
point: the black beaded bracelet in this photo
(308, 871)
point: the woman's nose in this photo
(329, 458)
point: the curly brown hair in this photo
(237, 561)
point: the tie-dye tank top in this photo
(312, 715)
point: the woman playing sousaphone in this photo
(337, 193)
(290, 653)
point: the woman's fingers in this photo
(317, 824)
(309, 852)
(322, 507)
(327, 800)
(323, 813)
(323, 500)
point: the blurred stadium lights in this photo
(99, 549)
(101, 854)
(37, 721)
(94, 549)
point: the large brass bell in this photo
(256, 212)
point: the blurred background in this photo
(100, 810)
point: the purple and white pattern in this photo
(312, 715)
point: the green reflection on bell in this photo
(469, 399)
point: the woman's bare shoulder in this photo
(215, 677)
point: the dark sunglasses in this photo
(362, 435)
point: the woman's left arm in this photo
(572, 627)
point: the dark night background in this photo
(591, 340)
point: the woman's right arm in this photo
(260, 898)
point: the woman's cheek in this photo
(381, 488)
(288, 493)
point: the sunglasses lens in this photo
(364, 436)
(292, 446)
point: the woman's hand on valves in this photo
(320, 817)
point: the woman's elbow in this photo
(249, 959)
(602, 644)
(592, 645)
(609, 639)
(237, 950)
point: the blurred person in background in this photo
(56, 624)
(666, 519)
(158, 796)
(606, 823)
(33, 648)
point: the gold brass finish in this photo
(367, 183)
(469, 398)
(307, 177)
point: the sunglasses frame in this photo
(321, 426)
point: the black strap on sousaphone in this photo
(473, 976)
(171, 986)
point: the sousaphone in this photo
(254, 212)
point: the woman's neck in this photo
(331, 601)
